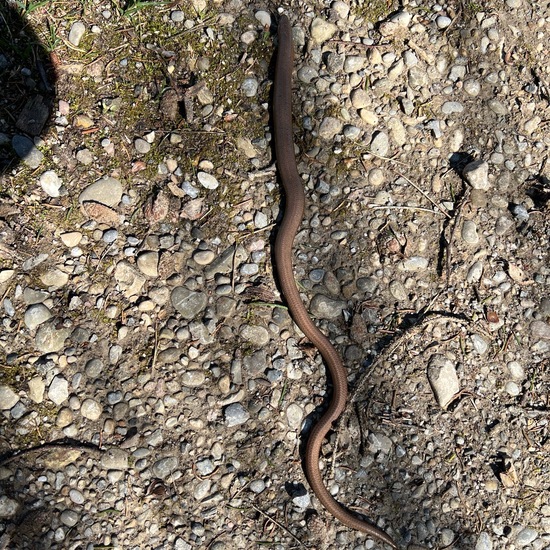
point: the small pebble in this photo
(207, 180)
(77, 32)
(76, 496)
(58, 392)
(443, 21)
(142, 146)
(8, 398)
(380, 144)
(512, 389)
(235, 414)
(50, 183)
(91, 409)
(476, 173)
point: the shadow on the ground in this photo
(27, 93)
(27, 88)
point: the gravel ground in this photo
(154, 391)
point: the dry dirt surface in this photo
(154, 390)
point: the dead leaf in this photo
(516, 273)
(492, 316)
(509, 477)
(101, 213)
(193, 209)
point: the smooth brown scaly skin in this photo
(293, 214)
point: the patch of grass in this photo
(374, 10)
(474, 7)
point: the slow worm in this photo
(292, 218)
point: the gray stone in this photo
(255, 363)
(235, 414)
(177, 16)
(193, 378)
(54, 278)
(520, 212)
(354, 63)
(78, 29)
(208, 181)
(205, 467)
(484, 541)
(497, 107)
(264, 18)
(443, 21)
(257, 486)
(36, 389)
(91, 409)
(256, 335)
(76, 496)
(129, 279)
(517, 372)
(107, 191)
(472, 87)
(302, 501)
(415, 263)
(352, 132)
(85, 157)
(323, 307)
(322, 30)
(476, 173)
(232, 255)
(360, 98)
(330, 127)
(512, 389)
(110, 236)
(8, 398)
(380, 144)
(58, 392)
(142, 146)
(69, 518)
(469, 232)
(8, 507)
(32, 262)
(526, 536)
(187, 302)
(204, 257)
(94, 367)
(249, 269)
(114, 459)
(202, 490)
(64, 417)
(540, 330)
(443, 379)
(27, 151)
(36, 315)
(307, 74)
(249, 87)
(379, 442)
(147, 263)
(294, 416)
(50, 183)
(480, 345)
(260, 220)
(165, 466)
(168, 356)
(397, 290)
(475, 272)
(49, 339)
(503, 225)
(451, 107)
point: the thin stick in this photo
(280, 525)
(49, 447)
(426, 195)
(396, 207)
